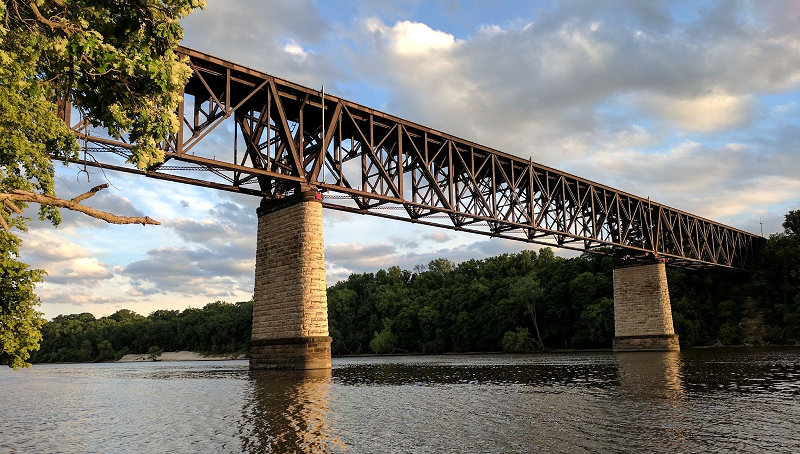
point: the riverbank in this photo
(179, 356)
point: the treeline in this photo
(526, 301)
(516, 302)
(512, 302)
(216, 328)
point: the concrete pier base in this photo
(642, 310)
(290, 306)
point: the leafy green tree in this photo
(791, 223)
(105, 351)
(384, 341)
(777, 281)
(115, 63)
(20, 322)
(518, 341)
(528, 292)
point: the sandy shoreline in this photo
(178, 356)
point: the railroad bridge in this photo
(302, 150)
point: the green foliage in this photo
(777, 282)
(216, 328)
(479, 305)
(20, 322)
(384, 341)
(512, 301)
(154, 352)
(115, 63)
(791, 223)
(518, 341)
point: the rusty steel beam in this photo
(370, 161)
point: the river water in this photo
(720, 400)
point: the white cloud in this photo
(79, 269)
(412, 38)
(46, 245)
(437, 236)
(711, 112)
(292, 47)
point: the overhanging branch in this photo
(70, 204)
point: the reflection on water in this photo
(288, 412)
(650, 374)
(541, 370)
(745, 400)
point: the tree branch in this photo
(89, 193)
(66, 28)
(72, 204)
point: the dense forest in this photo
(512, 302)
(216, 328)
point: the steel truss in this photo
(370, 162)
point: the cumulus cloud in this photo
(550, 82)
(411, 38)
(77, 271)
(360, 256)
(273, 36)
(190, 272)
(43, 245)
(713, 112)
(438, 236)
(75, 297)
(343, 259)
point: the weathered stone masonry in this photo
(642, 310)
(290, 310)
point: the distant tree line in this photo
(512, 302)
(516, 302)
(216, 328)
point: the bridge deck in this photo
(282, 140)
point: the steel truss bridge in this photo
(287, 138)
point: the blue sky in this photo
(694, 104)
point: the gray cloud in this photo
(276, 36)
(438, 236)
(346, 258)
(627, 94)
(360, 256)
(190, 271)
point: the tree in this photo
(791, 222)
(528, 292)
(20, 322)
(112, 61)
(154, 352)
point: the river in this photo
(716, 400)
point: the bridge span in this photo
(302, 150)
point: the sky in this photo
(693, 103)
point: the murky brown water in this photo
(742, 400)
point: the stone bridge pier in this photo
(290, 310)
(642, 310)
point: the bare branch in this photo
(89, 193)
(72, 204)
